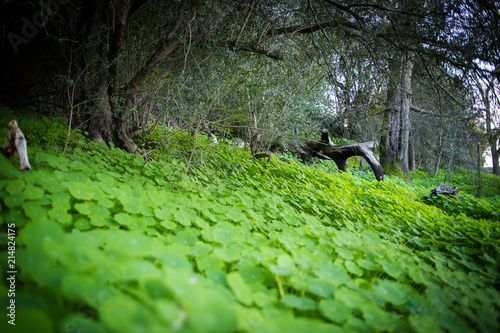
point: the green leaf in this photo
(124, 219)
(82, 224)
(131, 204)
(225, 234)
(300, 303)
(35, 211)
(423, 324)
(83, 208)
(349, 297)
(15, 216)
(209, 263)
(353, 268)
(334, 310)
(123, 313)
(80, 191)
(163, 214)
(172, 258)
(54, 186)
(14, 200)
(285, 266)
(227, 254)
(345, 254)
(199, 249)
(330, 273)
(241, 291)
(168, 225)
(393, 268)
(185, 216)
(60, 215)
(15, 186)
(389, 291)
(366, 264)
(33, 193)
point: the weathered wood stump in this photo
(16, 144)
(325, 149)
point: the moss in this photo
(395, 171)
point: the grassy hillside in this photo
(216, 241)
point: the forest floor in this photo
(205, 238)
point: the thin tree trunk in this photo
(452, 155)
(405, 91)
(440, 152)
(479, 184)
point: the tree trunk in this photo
(440, 151)
(495, 157)
(110, 111)
(451, 158)
(411, 157)
(395, 138)
(405, 91)
(492, 134)
(478, 169)
(391, 121)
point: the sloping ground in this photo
(107, 243)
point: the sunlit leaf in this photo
(241, 291)
(300, 303)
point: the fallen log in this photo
(442, 190)
(16, 143)
(445, 189)
(326, 149)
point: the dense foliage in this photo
(282, 68)
(222, 242)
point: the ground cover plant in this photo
(106, 242)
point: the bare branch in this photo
(245, 22)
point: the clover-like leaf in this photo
(33, 193)
(80, 191)
(60, 215)
(15, 186)
(390, 292)
(241, 290)
(353, 268)
(334, 310)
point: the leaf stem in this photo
(280, 285)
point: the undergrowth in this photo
(221, 242)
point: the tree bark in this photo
(396, 125)
(391, 122)
(16, 143)
(110, 118)
(405, 91)
(492, 134)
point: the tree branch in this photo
(246, 47)
(345, 9)
(167, 46)
(245, 22)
